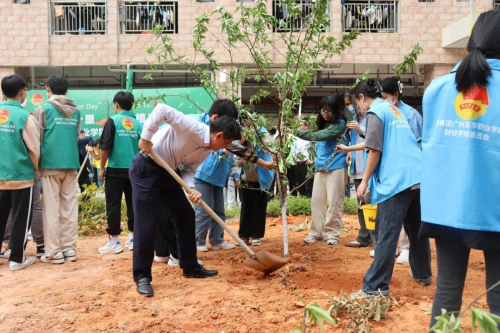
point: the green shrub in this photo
(350, 206)
(273, 208)
(233, 212)
(302, 206)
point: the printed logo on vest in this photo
(472, 103)
(4, 116)
(128, 124)
(37, 99)
(396, 112)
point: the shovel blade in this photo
(265, 262)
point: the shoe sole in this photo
(131, 248)
(70, 258)
(21, 267)
(202, 250)
(191, 276)
(112, 251)
(256, 244)
(54, 261)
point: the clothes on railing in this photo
(81, 18)
(369, 17)
(296, 23)
(136, 17)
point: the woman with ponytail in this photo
(392, 174)
(461, 155)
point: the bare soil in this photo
(97, 293)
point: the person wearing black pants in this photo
(20, 201)
(119, 144)
(20, 152)
(253, 211)
(453, 261)
(187, 143)
(156, 196)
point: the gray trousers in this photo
(37, 222)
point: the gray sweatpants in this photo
(37, 222)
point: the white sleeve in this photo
(180, 123)
(187, 176)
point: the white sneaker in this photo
(256, 242)
(161, 259)
(310, 239)
(69, 255)
(172, 262)
(223, 246)
(130, 243)
(14, 266)
(57, 259)
(372, 253)
(5, 254)
(332, 241)
(202, 248)
(111, 248)
(404, 257)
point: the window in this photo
(426, 0)
(22, 2)
(288, 23)
(140, 17)
(369, 17)
(463, 0)
(496, 5)
(78, 18)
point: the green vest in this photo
(60, 140)
(126, 144)
(15, 161)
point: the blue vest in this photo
(265, 176)
(215, 169)
(461, 154)
(399, 165)
(324, 151)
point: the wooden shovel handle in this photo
(202, 203)
(83, 166)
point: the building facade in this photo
(90, 41)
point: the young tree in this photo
(282, 74)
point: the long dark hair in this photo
(484, 43)
(392, 85)
(334, 103)
(369, 88)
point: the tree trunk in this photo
(283, 203)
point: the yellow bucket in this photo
(370, 213)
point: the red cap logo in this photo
(4, 116)
(472, 103)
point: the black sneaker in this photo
(40, 250)
(199, 272)
(6, 253)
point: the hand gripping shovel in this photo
(263, 261)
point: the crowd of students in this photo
(414, 169)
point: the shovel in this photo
(263, 261)
(83, 166)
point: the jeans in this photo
(453, 260)
(401, 209)
(365, 236)
(214, 197)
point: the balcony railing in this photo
(140, 17)
(293, 23)
(368, 17)
(79, 17)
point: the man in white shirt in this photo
(183, 145)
